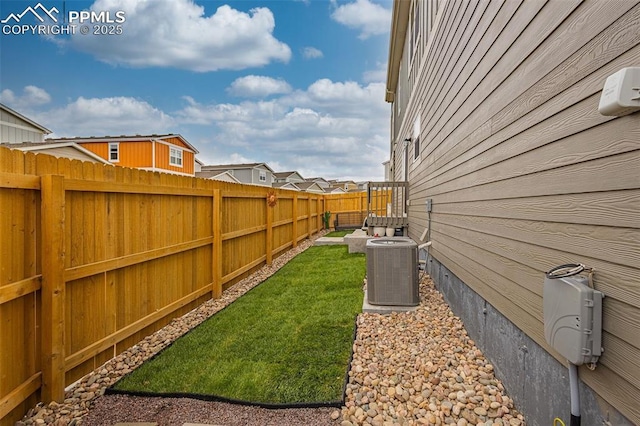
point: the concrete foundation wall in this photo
(536, 381)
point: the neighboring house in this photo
(286, 185)
(310, 187)
(224, 177)
(362, 186)
(69, 150)
(322, 183)
(16, 128)
(197, 165)
(386, 165)
(335, 190)
(294, 177)
(160, 153)
(251, 173)
(494, 118)
(347, 185)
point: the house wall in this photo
(255, 176)
(244, 175)
(525, 174)
(295, 178)
(140, 154)
(162, 159)
(16, 130)
(177, 142)
(132, 154)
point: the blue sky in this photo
(296, 84)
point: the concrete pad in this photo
(329, 241)
(384, 309)
(357, 241)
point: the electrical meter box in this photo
(573, 318)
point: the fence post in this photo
(269, 235)
(309, 222)
(320, 212)
(53, 287)
(217, 244)
(295, 220)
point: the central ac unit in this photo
(392, 272)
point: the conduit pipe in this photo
(575, 394)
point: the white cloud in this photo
(312, 53)
(32, 96)
(106, 116)
(7, 97)
(258, 86)
(177, 34)
(331, 129)
(369, 18)
(379, 74)
(342, 98)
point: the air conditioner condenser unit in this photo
(392, 272)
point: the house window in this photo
(415, 30)
(114, 152)
(175, 157)
(263, 176)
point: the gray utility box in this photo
(392, 272)
(573, 318)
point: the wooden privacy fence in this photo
(346, 203)
(93, 258)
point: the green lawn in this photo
(339, 233)
(286, 341)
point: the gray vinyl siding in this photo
(15, 130)
(524, 173)
(256, 176)
(67, 152)
(244, 175)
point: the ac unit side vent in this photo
(392, 272)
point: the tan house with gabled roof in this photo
(292, 176)
(322, 182)
(310, 187)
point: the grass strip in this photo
(339, 233)
(286, 341)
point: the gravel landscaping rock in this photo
(413, 368)
(421, 367)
